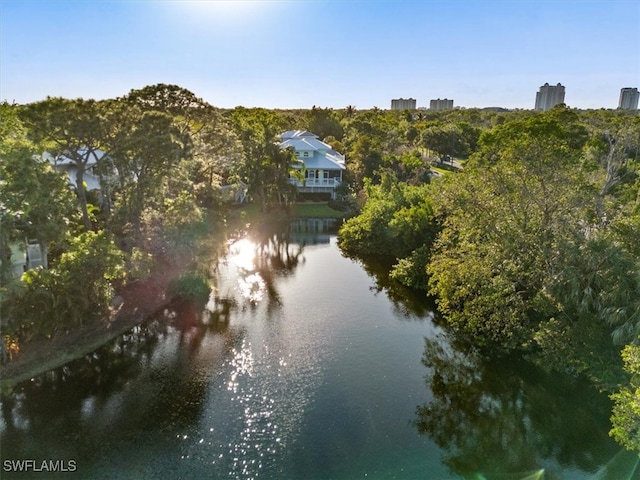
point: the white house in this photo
(29, 253)
(68, 166)
(25, 256)
(323, 167)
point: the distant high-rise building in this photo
(403, 104)
(628, 98)
(549, 96)
(444, 104)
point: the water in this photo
(305, 365)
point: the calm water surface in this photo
(305, 366)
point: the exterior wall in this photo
(628, 98)
(302, 154)
(549, 96)
(438, 104)
(18, 260)
(25, 256)
(322, 165)
(403, 104)
(319, 181)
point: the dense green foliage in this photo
(397, 220)
(626, 410)
(35, 202)
(531, 248)
(503, 223)
(190, 287)
(77, 290)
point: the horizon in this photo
(288, 55)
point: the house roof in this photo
(304, 141)
(324, 157)
(64, 160)
(297, 134)
(325, 162)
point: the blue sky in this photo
(296, 54)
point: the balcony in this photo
(316, 182)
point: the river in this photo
(304, 365)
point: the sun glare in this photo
(242, 253)
(221, 13)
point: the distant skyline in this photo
(297, 54)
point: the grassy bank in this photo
(315, 210)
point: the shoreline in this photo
(140, 301)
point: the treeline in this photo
(532, 248)
(168, 165)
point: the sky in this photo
(329, 54)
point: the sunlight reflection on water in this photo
(242, 253)
(317, 378)
(252, 287)
(258, 441)
(242, 256)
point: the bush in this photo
(412, 270)
(190, 287)
(395, 221)
(77, 290)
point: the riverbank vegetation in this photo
(532, 248)
(522, 225)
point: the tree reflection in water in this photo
(502, 418)
(408, 303)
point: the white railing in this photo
(316, 182)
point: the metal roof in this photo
(322, 155)
(296, 134)
(324, 161)
(304, 141)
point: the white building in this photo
(322, 166)
(70, 167)
(403, 104)
(549, 96)
(441, 104)
(628, 98)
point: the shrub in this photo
(190, 287)
(77, 290)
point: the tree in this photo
(146, 151)
(441, 139)
(211, 147)
(596, 290)
(77, 290)
(626, 409)
(266, 167)
(77, 129)
(216, 150)
(188, 110)
(365, 160)
(614, 144)
(35, 201)
(323, 122)
(396, 220)
(349, 111)
(504, 220)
